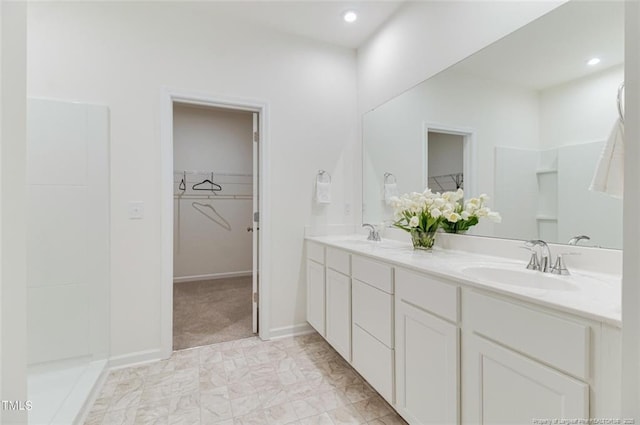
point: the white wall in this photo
(67, 231)
(587, 107)
(121, 54)
(13, 273)
(207, 242)
(495, 113)
(423, 38)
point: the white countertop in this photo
(595, 296)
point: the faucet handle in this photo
(560, 267)
(534, 264)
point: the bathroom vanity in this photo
(450, 337)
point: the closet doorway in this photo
(215, 233)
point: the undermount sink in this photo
(522, 278)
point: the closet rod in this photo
(186, 197)
(181, 172)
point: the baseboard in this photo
(134, 359)
(287, 331)
(211, 276)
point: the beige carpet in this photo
(210, 311)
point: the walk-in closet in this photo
(213, 225)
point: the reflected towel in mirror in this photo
(390, 190)
(323, 192)
(609, 175)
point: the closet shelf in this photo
(220, 197)
(216, 174)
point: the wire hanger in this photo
(215, 187)
(218, 218)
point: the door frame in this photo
(169, 96)
(469, 154)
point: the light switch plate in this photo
(136, 210)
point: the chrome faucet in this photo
(574, 240)
(540, 263)
(373, 232)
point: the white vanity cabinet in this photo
(443, 350)
(316, 287)
(427, 349)
(338, 304)
(522, 363)
(373, 340)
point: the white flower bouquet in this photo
(422, 214)
(466, 214)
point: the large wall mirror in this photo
(523, 120)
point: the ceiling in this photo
(318, 20)
(555, 48)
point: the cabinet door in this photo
(339, 312)
(315, 296)
(426, 367)
(503, 387)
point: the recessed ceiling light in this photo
(350, 16)
(593, 61)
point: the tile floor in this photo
(299, 380)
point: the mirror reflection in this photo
(524, 120)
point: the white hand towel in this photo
(390, 190)
(609, 175)
(323, 192)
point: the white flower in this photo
(494, 216)
(452, 217)
(435, 212)
(414, 221)
(483, 212)
(465, 215)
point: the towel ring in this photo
(389, 178)
(321, 175)
(620, 101)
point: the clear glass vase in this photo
(423, 240)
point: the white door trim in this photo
(469, 154)
(169, 97)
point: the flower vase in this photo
(423, 240)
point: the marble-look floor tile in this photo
(292, 381)
(346, 415)
(185, 417)
(121, 417)
(373, 408)
(393, 419)
(244, 405)
(254, 418)
(281, 414)
(310, 406)
(323, 419)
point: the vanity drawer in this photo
(427, 293)
(374, 361)
(373, 311)
(554, 340)
(315, 252)
(376, 274)
(338, 260)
